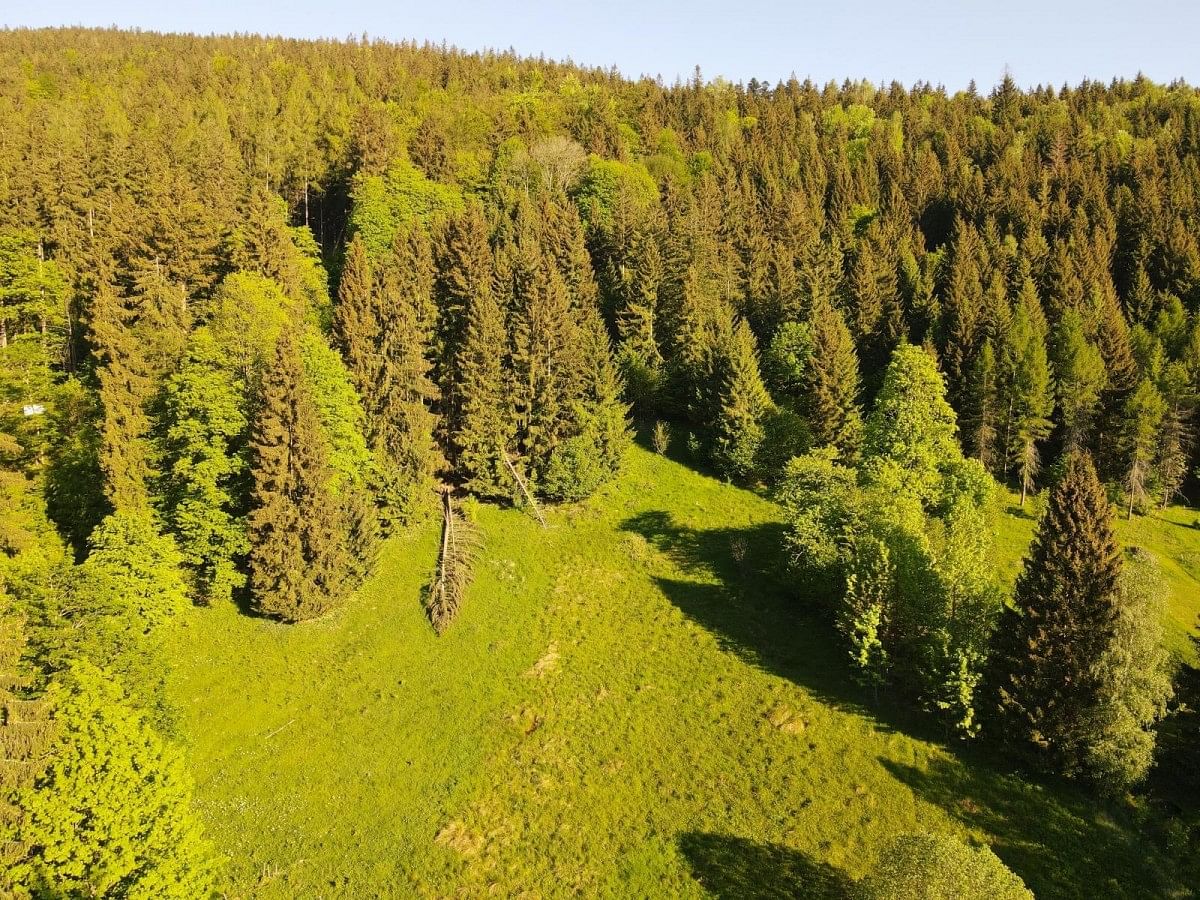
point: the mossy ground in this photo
(632, 703)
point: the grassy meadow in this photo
(632, 703)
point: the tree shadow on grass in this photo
(739, 590)
(741, 869)
(1059, 839)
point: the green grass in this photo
(630, 704)
(1170, 534)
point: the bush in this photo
(937, 867)
(574, 471)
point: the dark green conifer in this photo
(1043, 675)
(297, 536)
(832, 404)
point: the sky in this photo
(947, 42)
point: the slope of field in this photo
(631, 704)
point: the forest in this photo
(429, 472)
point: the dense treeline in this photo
(262, 300)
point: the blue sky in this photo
(943, 41)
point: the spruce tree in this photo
(400, 406)
(982, 417)
(1143, 416)
(1030, 400)
(832, 404)
(485, 425)
(1043, 676)
(296, 533)
(464, 272)
(1079, 376)
(355, 323)
(744, 405)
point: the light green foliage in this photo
(137, 570)
(401, 198)
(869, 587)
(821, 503)
(902, 542)
(1142, 417)
(33, 332)
(1031, 400)
(911, 431)
(340, 411)
(739, 430)
(787, 360)
(603, 180)
(1137, 679)
(1079, 376)
(245, 318)
(205, 445)
(110, 815)
(938, 867)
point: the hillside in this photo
(632, 703)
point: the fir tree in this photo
(464, 272)
(1079, 376)
(983, 408)
(1043, 675)
(485, 426)
(832, 404)
(1030, 401)
(1143, 416)
(295, 530)
(744, 404)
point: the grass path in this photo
(630, 704)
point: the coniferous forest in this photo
(436, 473)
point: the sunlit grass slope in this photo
(1170, 534)
(631, 704)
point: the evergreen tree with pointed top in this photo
(1043, 675)
(832, 403)
(485, 426)
(297, 539)
(356, 327)
(1026, 371)
(1079, 376)
(400, 405)
(464, 266)
(980, 423)
(738, 431)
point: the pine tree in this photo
(1079, 376)
(295, 529)
(983, 408)
(485, 426)
(744, 404)
(355, 320)
(464, 272)
(832, 404)
(1043, 675)
(1143, 416)
(1031, 401)
(400, 406)
(545, 362)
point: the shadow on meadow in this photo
(1055, 836)
(741, 869)
(1060, 840)
(741, 594)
